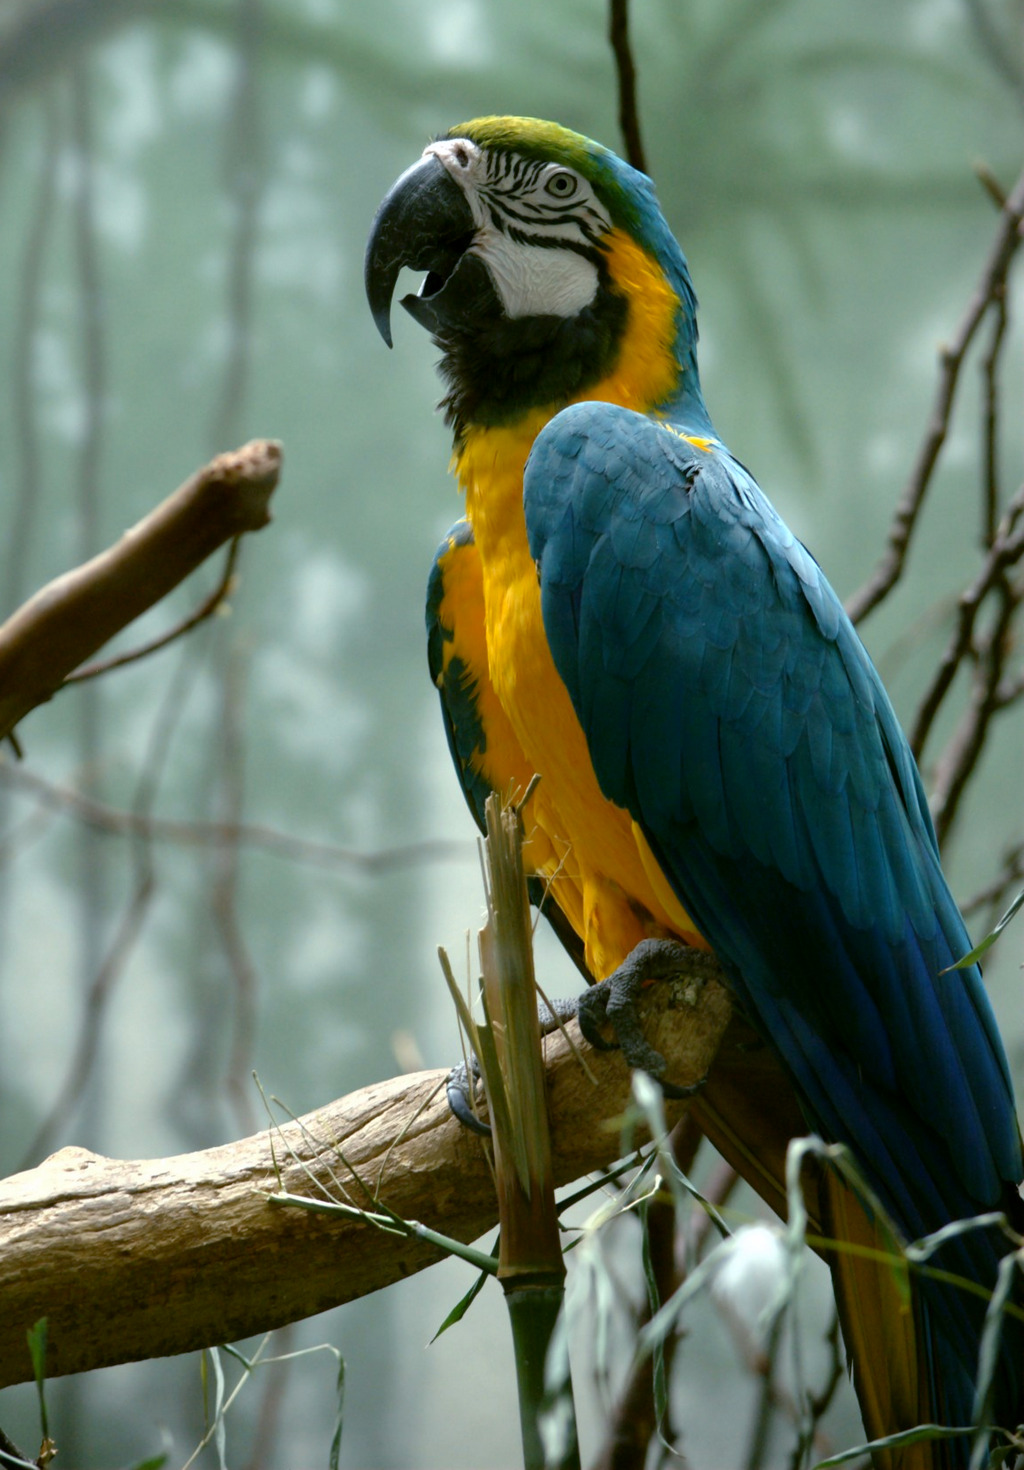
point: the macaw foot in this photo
(460, 1088)
(462, 1080)
(613, 1003)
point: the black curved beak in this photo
(425, 222)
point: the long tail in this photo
(912, 1359)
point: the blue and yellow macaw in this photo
(623, 613)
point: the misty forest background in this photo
(185, 194)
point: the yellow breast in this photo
(605, 877)
(603, 874)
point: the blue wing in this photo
(729, 705)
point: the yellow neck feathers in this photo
(490, 462)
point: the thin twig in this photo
(23, 381)
(210, 606)
(818, 1404)
(11, 1458)
(634, 1423)
(993, 896)
(221, 834)
(773, 1397)
(962, 751)
(988, 181)
(268, 1421)
(720, 1189)
(97, 972)
(625, 71)
(991, 283)
(225, 900)
(86, 1049)
(990, 421)
(1010, 689)
(245, 176)
(93, 1010)
(1006, 549)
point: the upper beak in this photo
(425, 222)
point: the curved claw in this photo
(674, 1091)
(613, 1003)
(592, 1013)
(460, 1100)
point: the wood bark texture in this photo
(138, 1259)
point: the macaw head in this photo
(551, 274)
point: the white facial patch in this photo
(532, 281)
(521, 217)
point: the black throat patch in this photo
(497, 367)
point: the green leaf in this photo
(660, 1378)
(894, 1441)
(990, 939)
(463, 1305)
(988, 1354)
(220, 1431)
(390, 1222)
(650, 1100)
(37, 1336)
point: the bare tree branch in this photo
(138, 823)
(66, 621)
(1010, 688)
(93, 1012)
(990, 288)
(964, 748)
(1000, 46)
(131, 1260)
(1006, 549)
(102, 984)
(994, 895)
(990, 420)
(625, 71)
(26, 428)
(224, 899)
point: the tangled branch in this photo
(991, 289)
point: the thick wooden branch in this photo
(66, 621)
(131, 1260)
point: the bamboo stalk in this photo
(531, 1267)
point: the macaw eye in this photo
(562, 185)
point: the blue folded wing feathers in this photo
(729, 705)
